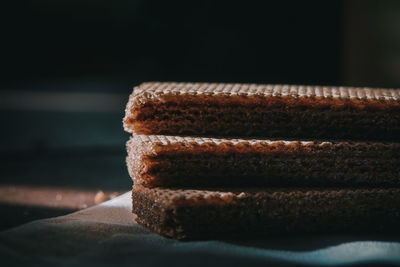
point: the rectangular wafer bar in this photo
(264, 111)
(199, 214)
(157, 160)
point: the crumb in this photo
(100, 197)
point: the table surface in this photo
(107, 234)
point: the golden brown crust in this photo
(175, 197)
(213, 213)
(199, 161)
(206, 108)
(247, 93)
(156, 144)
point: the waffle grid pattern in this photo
(166, 140)
(167, 195)
(152, 90)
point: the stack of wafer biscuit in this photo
(227, 160)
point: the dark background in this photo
(69, 66)
(127, 42)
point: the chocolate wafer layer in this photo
(264, 110)
(198, 214)
(156, 160)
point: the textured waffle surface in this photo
(285, 111)
(172, 196)
(165, 140)
(198, 161)
(154, 90)
(185, 141)
(211, 213)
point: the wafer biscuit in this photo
(264, 111)
(157, 160)
(198, 214)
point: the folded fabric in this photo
(107, 235)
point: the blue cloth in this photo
(107, 235)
